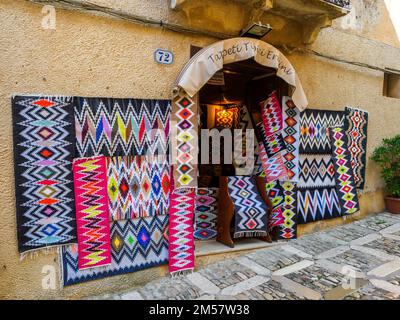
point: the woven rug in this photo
(314, 130)
(43, 152)
(317, 204)
(91, 201)
(136, 244)
(184, 116)
(316, 171)
(251, 160)
(356, 126)
(271, 114)
(206, 210)
(138, 186)
(274, 168)
(181, 240)
(288, 230)
(346, 187)
(291, 137)
(275, 194)
(251, 213)
(273, 143)
(121, 127)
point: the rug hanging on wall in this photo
(181, 240)
(356, 126)
(136, 244)
(274, 168)
(346, 187)
(275, 193)
(271, 114)
(206, 209)
(291, 137)
(43, 152)
(288, 229)
(314, 130)
(138, 186)
(251, 213)
(91, 201)
(316, 171)
(317, 204)
(185, 128)
(252, 163)
(121, 127)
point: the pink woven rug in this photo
(91, 201)
(181, 240)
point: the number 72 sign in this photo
(163, 56)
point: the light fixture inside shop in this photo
(256, 30)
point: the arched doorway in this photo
(196, 73)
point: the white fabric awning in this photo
(202, 66)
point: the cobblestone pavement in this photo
(360, 260)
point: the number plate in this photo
(163, 56)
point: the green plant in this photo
(387, 156)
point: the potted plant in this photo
(387, 156)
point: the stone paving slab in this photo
(357, 260)
(313, 267)
(348, 232)
(377, 222)
(227, 273)
(386, 245)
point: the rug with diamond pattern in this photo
(356, 126)
(138, 186)
(251, 213)
(43, 153)
(136, 244)
(206, 209)
(91, 201)
(121, 127)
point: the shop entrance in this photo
(218, 84)
(237, 89)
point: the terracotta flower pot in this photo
(392, 205)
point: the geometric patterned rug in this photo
(314, 130)
(274, 167)
(317, 196)
(185, 127)
(271, 114)
(206, 209)
(288, 230)
(121, 127)
(316, 171)
(136, 244)
(275, 193)
(181, 240)
(291, 136)
(251, 213)
(138, 186)
(43, 152)
(317, 204)
(356, 127)
(346, 187)
(93, 227)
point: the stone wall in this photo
(92, 54)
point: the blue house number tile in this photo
(163, 56)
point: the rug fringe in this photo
(61, 269)
(34, 254)
(357, 108)
(180, 273)
(249, 234)
(61, 97)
